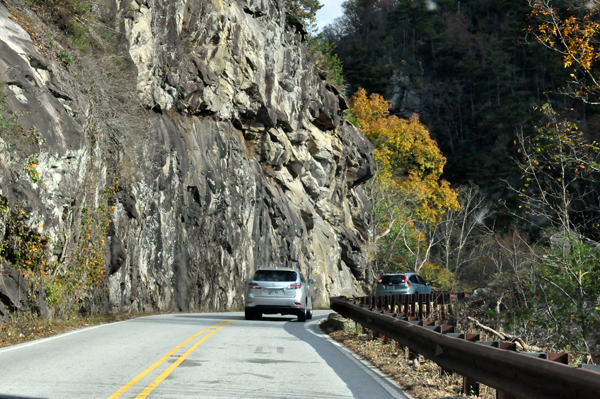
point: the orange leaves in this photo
(578, 36)
(403, 145)
(410, 161)
(573, 34)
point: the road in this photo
(201, 355)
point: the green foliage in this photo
(21, 246)
(8, 122)
(560, 172)
(569, 285)
(324, 57)
(560, 175)
(440, 278)
(64, 57)
(31, 169)
(65, 13)
(303, 11)
(68, 16)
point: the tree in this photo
(463, 235)
(304, 11)
(575, 34)
(560, 173)
(408, 196)
(409, 159)
(324, 57)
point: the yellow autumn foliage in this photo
(575, 38)
(409, 160)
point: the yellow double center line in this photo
(171, 368)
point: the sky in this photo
(331, 9)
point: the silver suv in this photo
(402, 283)
(279, 291)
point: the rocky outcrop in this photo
(404, 97)
(238, 157)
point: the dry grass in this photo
(422, 380)
(30, 327)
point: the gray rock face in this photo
(244, 160)
(406, 101)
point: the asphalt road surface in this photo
(207, 355)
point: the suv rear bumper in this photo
(384, 291)
(275, 309)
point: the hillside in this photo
(155, 154)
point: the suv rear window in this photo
(392, 279)
(275, 275)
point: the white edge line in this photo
(384, 380)
(42, 340)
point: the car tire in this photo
(302, 315)
(309, 314)
(249, 315)
(258, 316)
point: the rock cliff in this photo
(163, 173)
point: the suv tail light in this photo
(253, 285)
(379, 279)
(406, 281)
(295, 286)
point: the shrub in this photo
(324, 57)
(64, 57)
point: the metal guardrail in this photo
(415, 306)
(511, 373)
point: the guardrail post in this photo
(477, 364)
(559, 357)
(442, 299)
(470, 387)
(420, 302)
(412, 355)
(503, 395)
(427, 305)
(450, 301)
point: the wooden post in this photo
(412, 355)
(470, 387)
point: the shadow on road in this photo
(200, 318)
(360, 383)
(208, 316)
(279, 319)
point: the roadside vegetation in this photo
(492, 187)
(28, 327)
(419, 378)
(64, 276)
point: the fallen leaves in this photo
(420, 379)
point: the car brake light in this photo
(406, 281)
(294, 286)
(297, 303)
(253, 285)
(379, 279)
